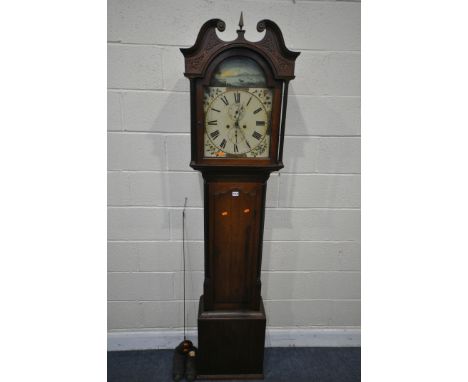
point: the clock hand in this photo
(236, 122)
(245, 139)
(241, 112)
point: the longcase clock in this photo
(238, 100)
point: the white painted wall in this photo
(311, 261)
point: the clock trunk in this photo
(234, 216)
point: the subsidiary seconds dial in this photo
(236, 122)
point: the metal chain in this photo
(183, 255)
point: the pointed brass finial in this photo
(241, 22)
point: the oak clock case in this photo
(238, 100)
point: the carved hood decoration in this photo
(208, 45)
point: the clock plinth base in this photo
(230, 343)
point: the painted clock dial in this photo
(237, 122)
(237, 107)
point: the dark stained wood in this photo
(233, 242)
(231, 319)
(208, 46)
(249, 258)
(231, 343)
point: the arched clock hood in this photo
(208, 45)
(278, 63)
